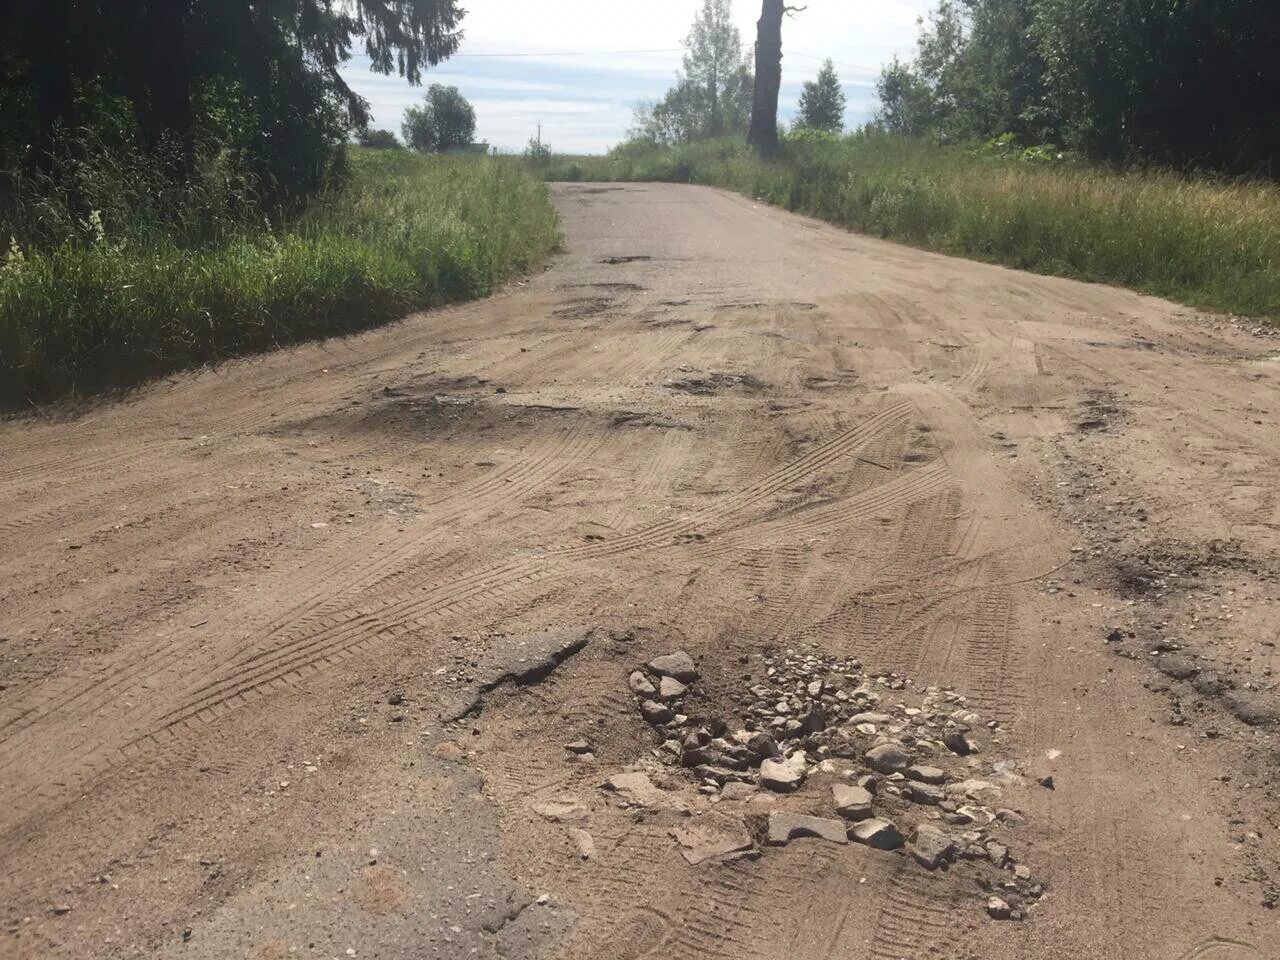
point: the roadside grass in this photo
(127, 296)
(1210, 243)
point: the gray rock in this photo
(852, 803)
(958, 743)
(924, 793)
(931, 847)
(578, 746)
(926, 774)
(998, 853)
(718, 775)
(737, 790)
(877, 833)
(695, 756)
(640, 684)
(669, 688)
(764, 746)
(997, 909)
(785, 827)
(782, 776)
(582, 840)
(655, 713)
(875, 718)
(678, 665)
(888, 758)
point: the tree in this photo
(713, 55)
(763, 131)
(712, 94)
(378, 140)
(538, 153)
(822, 101)
(278, 60)
(445, 119)
(907, 103)
(1182, 82)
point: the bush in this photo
(115, 299)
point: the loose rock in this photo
(678, 665)
(997, 909)
(852, 803)
(781, 775)
(640, 684)
(785, 827)
(931, 847)
(924, 793)
(669, 688)
(888, 758)
(877, 833)
(582, 840)
(656, 713)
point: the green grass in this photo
(110, 307)
(1211, 244)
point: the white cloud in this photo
(584, 101)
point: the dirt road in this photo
(235, 607)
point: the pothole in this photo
(816, 747)
(715, 382)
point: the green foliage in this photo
(189, 79)
(119, 298)
(444, 120)
(378, 140)
(822, 101)
(1176, 82)
(1207, 243)
(712, 94)
(538, 153)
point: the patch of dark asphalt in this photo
(416, 874)
(517, 661)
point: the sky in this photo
(578, 67)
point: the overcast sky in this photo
(624, 51)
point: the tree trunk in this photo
(764, 102)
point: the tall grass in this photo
(1212, 244)
(125, 294)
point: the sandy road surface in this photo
(233, 608)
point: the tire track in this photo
(354, 574)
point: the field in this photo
(1213, 244)
(129, 293)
